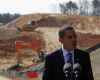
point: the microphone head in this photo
(66, 66)
(77, 66)
(67, 69)
(77, 69)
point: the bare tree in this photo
(96, 7)
(69, 7)
(63, 8)
(84, 7)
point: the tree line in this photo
(7, 17)
(84, 7)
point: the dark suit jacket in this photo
(54, 62)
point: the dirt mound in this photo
(8, 37)
(48, 25)
(25, 19)
(85, 40)
(90, 24)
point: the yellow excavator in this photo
(30, 26)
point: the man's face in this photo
(69, 40)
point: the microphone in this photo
(72, 72)
(77, 70)
(67, 69)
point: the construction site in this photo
(25, 41)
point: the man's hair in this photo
(61, 32)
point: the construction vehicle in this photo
(18, 45)
(30, 26)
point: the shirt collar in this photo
(65, 52)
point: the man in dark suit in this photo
(55, 61)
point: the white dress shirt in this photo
(65, 52)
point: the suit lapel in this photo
(61, 57)
(76, 56)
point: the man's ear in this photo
(60, 40)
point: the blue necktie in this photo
(69, 56)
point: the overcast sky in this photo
(30, 6)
